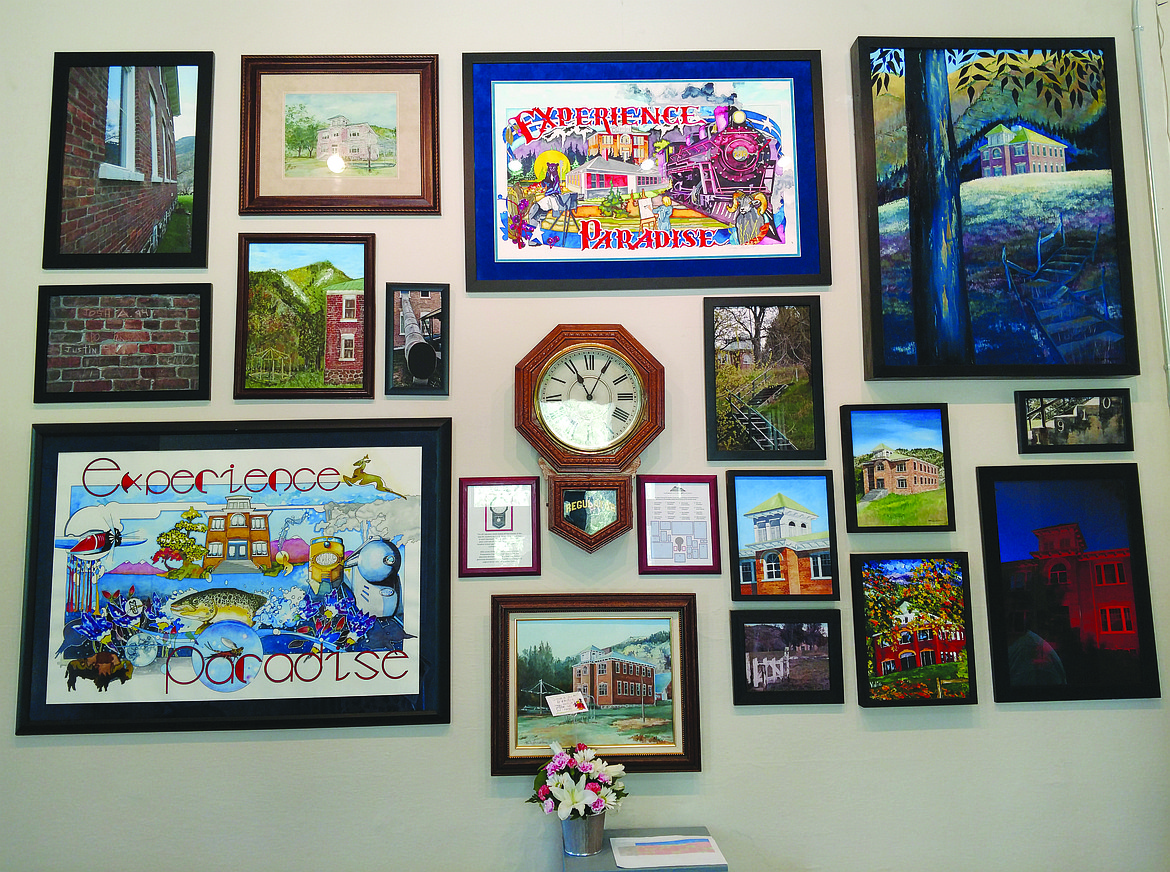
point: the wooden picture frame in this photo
(650, 697)
(764, 378)
(324, 284)
(1068, 422)
(782, 535)
(375, 117)
(912, 629)
(532, 228)
(418, 336)
(786, 657)
(1068, 586)
(234, 575)
(678, 525)
(900, 474)
(129, 160)
(499, 526)
(979, 256)
(123, 343)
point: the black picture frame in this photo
(1033, 283)
(782, 535)
(1088, 419)
(417, 362)
(914, 480)
(1067, 578)
(770, 407)
(123, 343)
(807, 670)
(115, 203)
(113, 643)
(780, 96)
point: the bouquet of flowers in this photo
(576, 783)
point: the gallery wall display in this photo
(764, 378)
(995, 235)
(418, 336)
(635, 656)
(339, 134)
(305, 316)
(912, 629)
(129, 160)
(1060, 422)
(783, 534)
(678, 524)
(667, 170)
(786, 657)
(899, 474)
(1068, 587)
(228, 575)
(499, 526)
(123, 343)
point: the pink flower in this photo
(550, 805)
(581, 746)
(603, 778)
(584, 766)
(560, 761)
(598, 806)
(543, 792)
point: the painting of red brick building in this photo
(344, 336)
(898, 473)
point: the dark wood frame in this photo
(1121, 409)
(481, 144)
(863, 632)
(507, 759)
(714, 565)
(743, 694)
(63, 62)
(57, 444)
(1027, 88)
(369, 341)
(202, 388)
(1014, 501)
(816, 379)
(851, 520)
(622, 488)
(441, 357)
(733, 532)
(465, 485)
(254, 68)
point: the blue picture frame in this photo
(539, 219)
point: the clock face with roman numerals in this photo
(590, 398)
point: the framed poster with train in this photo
(237, 575)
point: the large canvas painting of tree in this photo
(996, 217)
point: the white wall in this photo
(1079, 785)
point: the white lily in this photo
(573, 796)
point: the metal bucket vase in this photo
(584, 836)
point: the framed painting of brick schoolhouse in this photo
(129, 158)
(123, 343)
(418, 318)
(305, 316)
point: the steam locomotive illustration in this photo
(726, 170)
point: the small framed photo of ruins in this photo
(901, 477)
(340, 134)
(1063, 422)
(123, 343)
(786, 657)
(129, 160)
(305, 316)
(418, 322)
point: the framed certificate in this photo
(677, 527)
(499, 522)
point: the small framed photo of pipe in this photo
(416, 339)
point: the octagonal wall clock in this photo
(590, 398)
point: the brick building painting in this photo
(238, 532)
(123, 339)
(120, 172)
(898, 473)
(344, 336)
(607, 678)
(788, 556)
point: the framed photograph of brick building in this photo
(912, 629)
(124, 343)
(418, 318)
(129, 159)
(901, 477)
(634, 659)
(340, 134)
(305, 315)
(782, 532)
(786, 657)
(1068, 586)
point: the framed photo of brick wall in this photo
(123, 343)
(129, 160)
